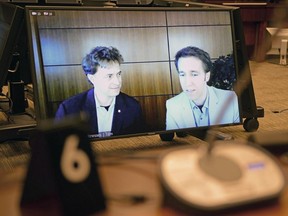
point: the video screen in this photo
(134, 70)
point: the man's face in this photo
(193, 78)
(107, 81)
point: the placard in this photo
(62, 174)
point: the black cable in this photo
(128, 199)
(280, 111)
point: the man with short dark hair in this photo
(199, 104)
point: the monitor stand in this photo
(17, 97)
(16, 123)
(198, 133)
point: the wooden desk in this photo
(120, 177)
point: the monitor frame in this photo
(247, 101)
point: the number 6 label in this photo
(75, 163)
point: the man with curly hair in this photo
(110, 111)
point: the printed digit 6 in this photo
(75, 164)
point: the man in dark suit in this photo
(110, 111)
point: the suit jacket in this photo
(127, 117)
(179, 113)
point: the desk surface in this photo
(124, 176)
(141, 176)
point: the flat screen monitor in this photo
(154, 97)
(11, 26)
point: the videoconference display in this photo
(133, 70)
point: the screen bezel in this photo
(38, 79)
